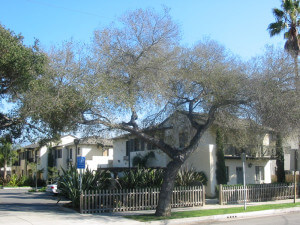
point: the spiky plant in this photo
(69, 183)
(142, 178)
(189, 177)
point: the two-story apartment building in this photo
(98, 153)
(176, 131)
(63, 153)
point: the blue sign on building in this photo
(80, 162)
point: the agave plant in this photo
(69, 183)
(189, 177)
(142, 178)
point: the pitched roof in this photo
(92, 140)
(95, 140)
(35, 145)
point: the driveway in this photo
(21, 207)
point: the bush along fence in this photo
(138, 199)
(233, 194)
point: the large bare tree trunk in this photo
(164, 203)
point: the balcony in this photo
(261, 151)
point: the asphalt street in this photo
(21, 207)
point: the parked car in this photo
(52, 188)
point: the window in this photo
(227, 173)
(259, 173)
(150, 146)
(37, 155)
(142, 145)
(136, 143)
(70, 153)
(128, 147)
(58, 154)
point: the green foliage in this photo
(43, 189)
(220, 164)
(52, 171)
(69, 183)
(21, 181)
(19, 65)
(14, 181)
(6, 152)
(141, 178)
(189, 177)
(141, 161)
(279, 160)
(149, 178)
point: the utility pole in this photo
(295, 173)
(244, 179)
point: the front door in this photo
(239, 175)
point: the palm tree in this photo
(288, 21)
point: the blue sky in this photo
(239, 25)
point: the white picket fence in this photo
(138, 199)
(233, 194)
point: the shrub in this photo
(190, 177)
(141, 178)
(69, 183)
(141, 161)
(14, 181)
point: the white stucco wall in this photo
(119, 146)
(250, 171)
(44, 161)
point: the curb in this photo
(16, 188)
(224, 217)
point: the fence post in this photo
(81, 203)
(221, 194)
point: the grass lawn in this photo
(211, 212)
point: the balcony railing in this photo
(261, 151)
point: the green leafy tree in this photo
(279, 160)
(288, 21)
(7, 155)
(221, 168)
(19, 65)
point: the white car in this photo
(52, 188)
